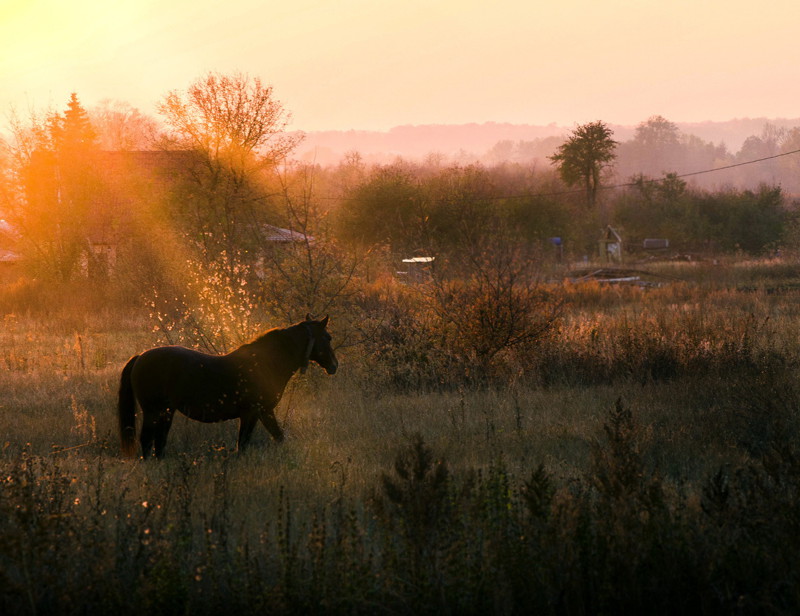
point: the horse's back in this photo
(181, 378)
(170, 359)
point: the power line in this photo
(561, 193)
(653, 180)
(686, 175)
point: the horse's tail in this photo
(126, 410)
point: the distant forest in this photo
(700, 146)
(85, 192)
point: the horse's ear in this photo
(308, 316)
(324, 322)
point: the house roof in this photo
(280, 235)
(611, 235)
(419, 260)
(9, 238)
(8, 256)
(7, 229)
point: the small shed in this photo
(99, 260)
(415, 269)
(610, 246)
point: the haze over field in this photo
(361, 64)
(490, 142)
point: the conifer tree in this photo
(60, 182)
(73, 131)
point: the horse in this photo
(245, 384)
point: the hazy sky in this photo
(373, 64)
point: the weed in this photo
(640, 458)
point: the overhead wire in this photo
(561, 193)
(651, 180)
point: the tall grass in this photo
(640, 457)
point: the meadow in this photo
(640, 456)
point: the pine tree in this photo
(61, 186)
(73, 131)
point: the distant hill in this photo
(471, 142)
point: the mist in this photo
(695, 147)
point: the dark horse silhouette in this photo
(246, 384)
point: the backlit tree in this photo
(121, 127)
(583, 157)
(236, 130)
(55, 157)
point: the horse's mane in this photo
(275, 338)
(266, 336)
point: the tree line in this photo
(220, 174)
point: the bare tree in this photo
(236, 130)
(121, 127)
(493, 299)
(310, 273)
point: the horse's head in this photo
(318, 347)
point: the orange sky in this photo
(372, 64)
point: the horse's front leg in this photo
(246, 425)
(267, 417)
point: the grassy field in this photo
(641, 457)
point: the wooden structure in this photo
(610, 246)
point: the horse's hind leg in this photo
(155, 427)
(271, 424)
(147, 437)
(161, 432)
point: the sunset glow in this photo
(373, 65)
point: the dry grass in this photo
(633, 459)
